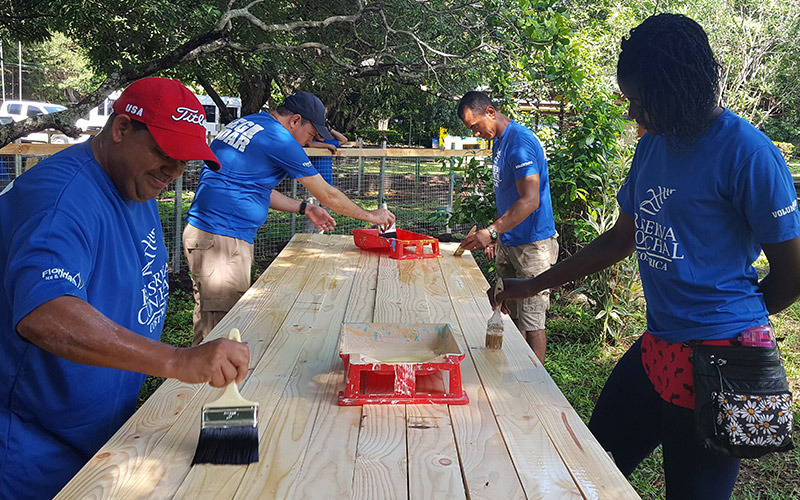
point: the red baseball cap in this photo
(173, 115)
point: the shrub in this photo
(787, 149)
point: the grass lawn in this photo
(580, 365)
(794, 166)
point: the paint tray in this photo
(407, 245)
(391, 363)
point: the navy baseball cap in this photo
(311, 108)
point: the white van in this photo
(213, 125)
(20, 110)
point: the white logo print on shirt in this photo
(656, 243)
(156, 288)
(238, 133)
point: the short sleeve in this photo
(763, 191)
(526, 157)
(625, 195)
(291, 157)
(49, 256)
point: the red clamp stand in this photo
(407, 245)
(400, 363)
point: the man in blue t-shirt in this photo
(524, 232)
(258, 152)
(85, 288)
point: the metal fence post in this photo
(293, 217)
(416, 179)
(382, 179)
(451, 194)
(177, 242)
(17, 165)
(360, 165)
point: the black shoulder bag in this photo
(743, 406)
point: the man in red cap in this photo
(258, 152)
(85, 289)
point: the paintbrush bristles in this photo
(231, 446)
(494, 341)
(494, 330)
(494, 327)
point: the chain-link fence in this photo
(416, 184)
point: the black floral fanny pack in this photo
(743, 406)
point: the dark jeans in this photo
(630, 420)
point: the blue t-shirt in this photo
(66, 230)
(700, 218)
(256, 153)
(324, 164)
(517, 154)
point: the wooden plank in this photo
(334, 440)
(266, 384)
(50, 149)
(169, 413)
(591, 469)
(540, 469)
(400, 297)
(381, 468)
(130, 447)
(433, 465)
(269, 381)
(168, 460)
(284, 445)
(31, 149)
(486, 465)
(346, 152)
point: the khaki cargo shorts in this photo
(527, 261)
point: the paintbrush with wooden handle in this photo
(229, 427)
(494, 328)
(460, 249)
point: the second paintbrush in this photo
(494, 328)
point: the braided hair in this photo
(669, 60)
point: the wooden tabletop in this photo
(517, 438)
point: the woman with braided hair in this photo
(706, 193)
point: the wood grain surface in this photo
(517, 438)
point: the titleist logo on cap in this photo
(189, 115)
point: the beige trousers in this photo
(220, 267)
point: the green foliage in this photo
(474, 201)
(59, 71)
(787, 150)
(578, 158)
(375, 136)
(783, 129)
(615, 293)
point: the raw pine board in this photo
(485, 463)
(433, 468)
(287, 414)
(534, 456)
(327, 471)
(587, 463)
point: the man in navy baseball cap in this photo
(310, 108)
(259, 151)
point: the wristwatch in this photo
(492, 232)
(302, 210)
